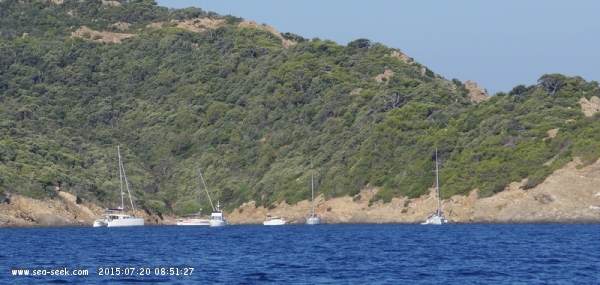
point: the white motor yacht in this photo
(216, 218)
(274, 221)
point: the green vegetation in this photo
(254, 114)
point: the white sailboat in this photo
(312, 218)
(437, 217)
(216, 217)
(116, 217)
(195, 219)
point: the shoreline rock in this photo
(570, 195)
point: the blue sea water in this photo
(300, 254)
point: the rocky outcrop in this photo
(197, 25)
(100, 36)
(284, 41)
(385, 76)
(569, 195)
(28, 212)
(590, 107)
(65, 210)
(476, 93)
(107, 3)
(402, 57)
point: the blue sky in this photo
(497, 44)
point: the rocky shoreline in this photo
(569, 195)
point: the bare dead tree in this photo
(391, 101)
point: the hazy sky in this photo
(498, 44)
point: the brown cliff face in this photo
(19, 211)
(27, 212)
(569, 195)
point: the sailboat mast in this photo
(124, 177)
(121, 177)
(199, 192)
(312, 187)
(437, 182)
(206, 188)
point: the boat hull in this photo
(313, 221)
(194, 222)
(100, 223)
(118, 220)
(126, 223)
(435, 220)
(274, 223)
(217, 223)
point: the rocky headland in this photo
(569, 195)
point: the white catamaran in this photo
(437, 217)
(116, 217)
(312, 218)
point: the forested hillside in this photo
(253, 109)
